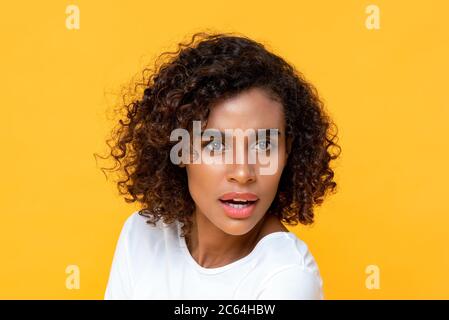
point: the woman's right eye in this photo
(215, 146)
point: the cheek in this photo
(269, 184)
(200, 179)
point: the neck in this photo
(213, 248)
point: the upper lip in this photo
(239, 195)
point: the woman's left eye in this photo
(264, 145)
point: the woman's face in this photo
(251, 109)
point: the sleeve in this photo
(292, 283)
(120, 279)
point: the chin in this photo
(238, 227)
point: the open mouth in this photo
(238, 204)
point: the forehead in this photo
(253, 108)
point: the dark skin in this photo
(242, 246)
(216, 239)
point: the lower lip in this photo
(238, 213)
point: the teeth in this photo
(240, 200)
(237, 206)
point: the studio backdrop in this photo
(380, 67)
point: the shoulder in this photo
(138, 249)
(285, 249)
(140, 234)
(293, 283)
(136, 223)
(291, 271)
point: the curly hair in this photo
(183, 88)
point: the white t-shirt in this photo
(153, 262)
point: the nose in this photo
(241, 173)
(241, 170)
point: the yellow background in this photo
(386, 89)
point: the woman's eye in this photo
(215, 146)
(264, 145)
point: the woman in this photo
(214, 230)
